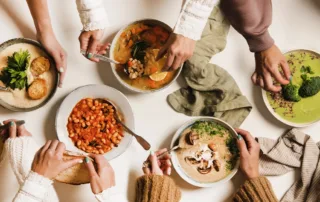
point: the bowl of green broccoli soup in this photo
(297, 104)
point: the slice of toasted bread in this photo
(39, 66)
(75, 175)
(38, 89)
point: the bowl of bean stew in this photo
(86, 124)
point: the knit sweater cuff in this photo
(260, 42)
(194, 17)
(157, 188)
(257, 189)
(92, 14)
(36, 182)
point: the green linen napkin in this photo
(212, 91)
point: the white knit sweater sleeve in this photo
(193, 18)
(34, 189)
(92, 14)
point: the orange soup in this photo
(136, 50)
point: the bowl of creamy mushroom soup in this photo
(208, 154)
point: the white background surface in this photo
(295, 25)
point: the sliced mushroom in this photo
(192, 160)
(216, 165)
(192, 137)
(203, 168)
(212, 146)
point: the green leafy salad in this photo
(15, 75)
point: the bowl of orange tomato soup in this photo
(136, 47)
(86, 124)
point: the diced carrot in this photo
(123, 34)
(151, 83)
(129, 63)
(130, 43)
(157, 30)
(153, 70)
(133, 30)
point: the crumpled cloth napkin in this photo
(212, 91)
(294, 150)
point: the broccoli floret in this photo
(290, 92)
(310, 87)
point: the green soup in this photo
(308, 109)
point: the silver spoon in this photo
(144, 143)
(100, 57)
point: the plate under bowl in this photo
(10, 42)
(94, 91)
(277, 116)
(176, 163)
(113, 66)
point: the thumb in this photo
(72, 162)
(154, 162)
(60, 60)
(162, 52)
(90, 167)
(12, 129)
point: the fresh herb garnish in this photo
(139, 50)
(14, 75)
(233, 148)
(208, 127)
(306, 69)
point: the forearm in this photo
(194, 17)
(257, 189)
(40, 14)
(92, 14)
(252, 19)
(34, 189)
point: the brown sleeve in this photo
(257, 189)
(251, 18)
(156, 188)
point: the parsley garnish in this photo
(14, 75)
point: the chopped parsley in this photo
(306, 69)
(233, 148)
(207, 127)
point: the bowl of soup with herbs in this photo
(208, 154)
(136, 48)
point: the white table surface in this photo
(295, 25)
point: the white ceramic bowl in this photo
(113, 66)
(175, 160)
(94, 91)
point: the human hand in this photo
(101, 178)
(49, 162)
(159, 166)
(53, 47)
(90, 42)
(179, 49)
(14, 131)
(249, 154)
(267, 67)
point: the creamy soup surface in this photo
(19, 98)
(209, 152)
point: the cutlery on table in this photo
(100, 57)
(144, 143)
